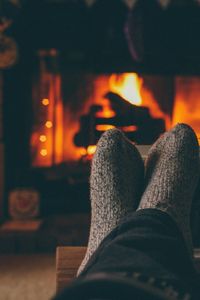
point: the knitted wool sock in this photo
(116, 184)
(172, 171)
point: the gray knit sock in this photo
(172, 172)
(116, 184)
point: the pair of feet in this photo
(120, 183)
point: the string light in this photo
(48, 124)
(43, 138)
(45, 101)
(43, 152)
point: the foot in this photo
(115, 186)
(172, 172)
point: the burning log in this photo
(121, 106)
(135, 121)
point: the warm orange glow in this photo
(100, 86)
(44, 152)
(45, 101)
(187, 103)
(43, 138)
(91, 149)
(49, 124)
(82, 151)
(107, 112)
(104, 127)
(153, 106)
(146, 92)
(128, 86)
(130, 128)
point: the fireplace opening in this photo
(72, 109)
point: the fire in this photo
(128, 86)
(131, 88)
(187, 103)
(104, 127)
(91, 149)
(53, 138)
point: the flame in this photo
(48, 141)
(187, 103)
(91, 149)
(128, 86)
(104, 127)
(82, 151)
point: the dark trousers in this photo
(144, 257)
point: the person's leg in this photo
(155, 240)
(151, 244)
(144, 257)
(147, 241)
(116, 184)
(172, 173)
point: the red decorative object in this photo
(24, 204)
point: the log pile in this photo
(135, 121)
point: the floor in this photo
(27, 260)
(55, 230)
(27, 277)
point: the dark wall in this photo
(95, 38)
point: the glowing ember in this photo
(128, 86)
(104, 127)
(91, 149)
(130, 128)
(82, 151)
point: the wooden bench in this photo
(68, 260)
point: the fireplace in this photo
(72, 109)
